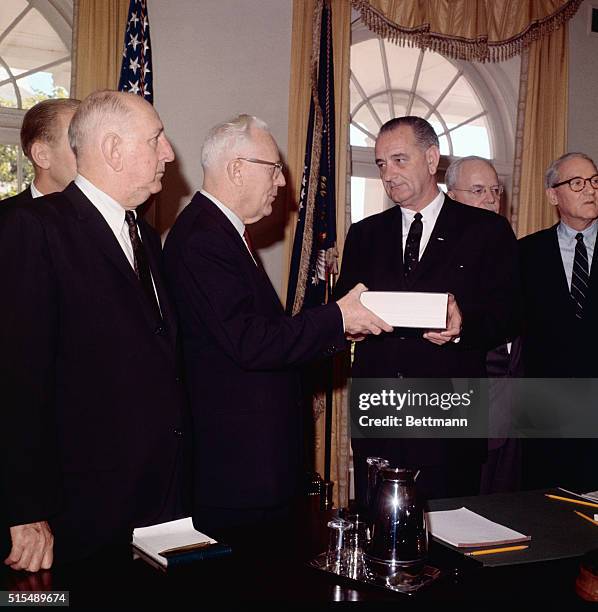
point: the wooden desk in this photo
(273, 571)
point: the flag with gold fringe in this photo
(314, 248)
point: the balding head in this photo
(473, 181)
(120, 146)
(242, 167)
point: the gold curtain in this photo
(544, 137)
(99, 32)
(299, 99)
(481, 30)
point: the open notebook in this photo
(466, 529)
(177, 542)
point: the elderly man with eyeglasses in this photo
(560, 283)
(473, 181)
(241, 351)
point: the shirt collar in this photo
(230, 215)
(110, 209)
(589, 234)
(35, 192)
(429, 212)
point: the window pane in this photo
(460, 103)
(365, 119)
(366, 66)
(436, 74)
(8, 97)
(367, 198)
(471, 139)
(32, 43)
(10, 10)
(8, 170)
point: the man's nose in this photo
(166, 152)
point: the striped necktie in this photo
(580, 276)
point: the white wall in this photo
(214, 59)
(583, 84)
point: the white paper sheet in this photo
(466, 529)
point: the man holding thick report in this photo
(430, 243)
(241, 351)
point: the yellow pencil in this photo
(491, 551)
(586, 517)
(573, 501)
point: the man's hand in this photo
(32, 545)
(454, 321)
(360, 321)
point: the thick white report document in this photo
(408, 308)
(466, 529)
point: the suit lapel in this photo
(446, 233)
(554, 261)
(256, 271)
(94, 225)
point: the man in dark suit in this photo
(430, 243)
(44, 140)
(473, 181)
(560, 289)
(241, 351)
(92, 413)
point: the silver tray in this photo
(402, 582)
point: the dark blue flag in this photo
(136, 70)
(314, 248)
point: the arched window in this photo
(35, 64)
(471, 106)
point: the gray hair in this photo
(95, 110)
(451, 176)
(424, 133)
(551, 177)
(229, 136)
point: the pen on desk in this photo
(588, 518)
(491, 551)
(186, 548)
(573, 501)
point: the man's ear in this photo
(112, 151)
(233, 171)
(551, 195)
(40, 154)
(432, 159)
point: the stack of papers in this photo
(176, 542)
(408, 308)
(466, 529)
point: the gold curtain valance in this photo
(473, 30)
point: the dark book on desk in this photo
(177, 543)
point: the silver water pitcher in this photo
(399, 540)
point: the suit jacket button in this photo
(159, 331)
(399, 375)
(178, 433)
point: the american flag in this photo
(135, 73)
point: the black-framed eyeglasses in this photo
(478, 191)
(278, 166)
(578, 183)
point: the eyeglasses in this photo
(479, 191)
(278, 166)
(577, 183)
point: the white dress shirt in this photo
(429, 215)
(114, 215)
(35, 192)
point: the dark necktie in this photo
(249, 244)
(140, 263)
(412, 244)
(580, 276)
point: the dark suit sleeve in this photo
(350, 270)
(493, 315)
(223, 296)
(31, 489)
